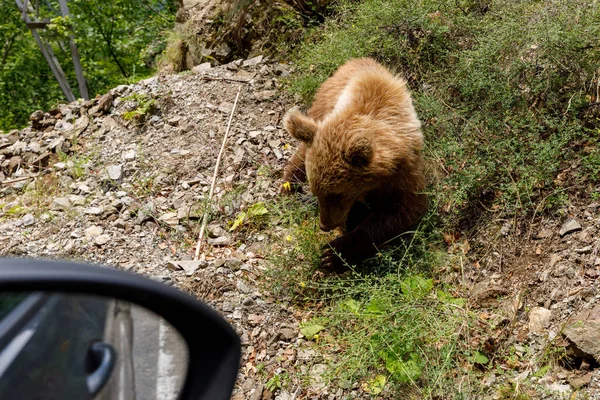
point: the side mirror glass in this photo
(77, 331)
(78, 346)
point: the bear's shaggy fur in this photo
(360, 149)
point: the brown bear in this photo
(360, 149)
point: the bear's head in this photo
(346, 158)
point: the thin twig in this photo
(214, 179)
(23, 178)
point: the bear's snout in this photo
(325, 228)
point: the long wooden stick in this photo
(22, 178)
(214, 179)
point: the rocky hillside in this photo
(123, 180)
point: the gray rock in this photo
(584, 250)
(215, 231)
(169, 218)
(115, 171)
(288, 334)
(189, 266)
(220, 241)
(93, 210)
(146, 212)
(129, 155)
(93, 231)
(248, 302)
(539, 319)
(202, 67)
(505, 230)
(101, 240)
(76, 200)
(258, 392)
(242, 287)
(544, 233)
(234, 264)
(570, 226)
(60, 204)
(28, 220)
(316, 376)
(583, 331)
(265, 95)
(253, 61)
(225, 107)
(83, 188)
(282, 69)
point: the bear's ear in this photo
(299, 125)
(359, 152)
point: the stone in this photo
(28, 220)
(288, 334)
(189, 266)
(248, 302)
(571, 225)
(539, 319)
(169, 218)
(101, 240)
(76, 200)
(225, 107)
(146, 212)
(545, 233)
(583, 332)
(202, 67)
(580, 381)
(234, 264)
(93, 211)
(252, 62)
(129, 155)
(115, 171)
(242, 287)
(584, 250)
(258, 392)
(316, 376)
(60, 204)
(505, 230)
(558, 387)
(220, 241)
(93, 231)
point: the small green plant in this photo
(144, 105)
(277, 381)
(76, 164)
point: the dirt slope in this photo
(122, 180)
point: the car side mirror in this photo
(73, 330)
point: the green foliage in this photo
(396, 325)
(118, 42)
(144, 105)
(254, 214)
(506, 90)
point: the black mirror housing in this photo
(214, 347)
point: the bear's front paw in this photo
(333, 256)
